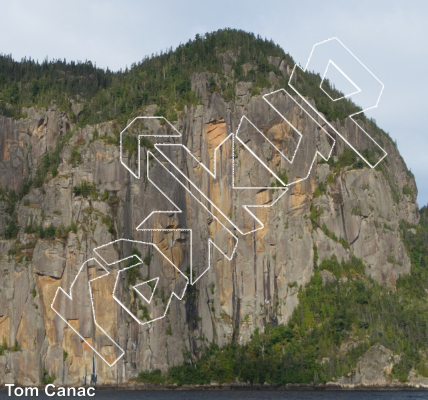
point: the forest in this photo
(163, 79)
(307, 349)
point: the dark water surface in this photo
(245, 395)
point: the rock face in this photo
(24, 141)
(372, 370)
(233, 297)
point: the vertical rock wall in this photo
(233, 298)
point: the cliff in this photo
(339, 210)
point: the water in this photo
(247, 395)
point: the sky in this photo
(389, 37)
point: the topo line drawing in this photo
(167, 166)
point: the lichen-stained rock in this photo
(355, 213)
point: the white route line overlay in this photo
(213, 174)
(261, 162)
(158, 147)
(70, 296)
(133, 287)
(346, 76)
(178, 210)
(153, 290)
(352, 115)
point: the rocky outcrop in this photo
(417, 381)
(373, 369)
(233, 298)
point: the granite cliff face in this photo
(356, 213)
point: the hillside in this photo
(164, 80)
(335, 278)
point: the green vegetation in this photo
(314, 215)
(396, 193)
(147, 259)
(347, 159)
(86, 189)
(43, 233)
(407, 190)
(350, 159)
(133, 273)
(4, 347)
(131, 144)
(330, 178)
(308, 84)
(320, 190)
(356, 310)
(163, 79)
(328, 233)
(283, 176)
(344, 243)
(415, 238)
(357, 210)
(333, 236)
(12, 230)
(46, 378)
(48, 232)
(154, 376)
(146, 315)
(15, 347)
(11, 198)
(75, 157)
(106, 219)
(104, 197)
(49, 162)
(326, 316)
(61, 232)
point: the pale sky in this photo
(389, 37)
